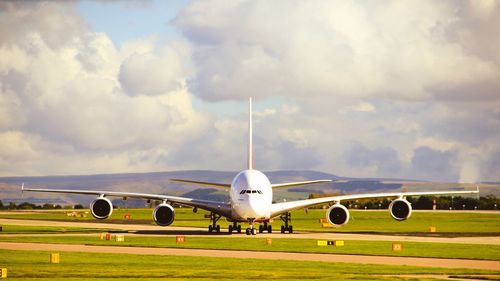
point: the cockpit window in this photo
(251, 191)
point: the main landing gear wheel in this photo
(287, 217)
(234, 227)
(265, 227)
(214, 218)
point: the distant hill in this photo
(159, 183)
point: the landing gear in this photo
(251, 230)
(234, 227)
(265, 227)
(214, 218)
(286, 217)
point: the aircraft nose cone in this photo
(258, 207)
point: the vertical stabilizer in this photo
(250, 144)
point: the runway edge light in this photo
(397, 246)
(180, 239)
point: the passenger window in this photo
(254, 191)
(248, 191)
(260, 192)
(243, 191)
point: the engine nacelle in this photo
(164, 214)
(337, 215)
(101, 208)
(400, 209)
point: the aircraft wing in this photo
(290, 184)
(283, 207)
(221, 208)
(213, 184)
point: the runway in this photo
(202, 232)
(331, 258)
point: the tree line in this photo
(31, 206)
(489, 202)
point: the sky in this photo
(398, 89)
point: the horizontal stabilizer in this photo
(220, 185)
(290, 184)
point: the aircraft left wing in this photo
(283, 207)
(221, 208)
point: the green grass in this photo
(28, 265)
(411, 249)
(29, 229)
(361, 221)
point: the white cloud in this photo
(422, 69)
(62, 105)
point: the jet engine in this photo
(101, 208)
(337, 215)
(164, 214)
(400, 209)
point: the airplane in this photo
(250, 200)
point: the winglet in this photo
(22, 189)
(477, 191)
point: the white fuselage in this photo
(251, 196)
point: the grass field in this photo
(361, 221)
(25, 229)
(411, 249)
(24, 265)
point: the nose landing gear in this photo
(251, 230)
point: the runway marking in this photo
(360, 259)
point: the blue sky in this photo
(129, 20)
